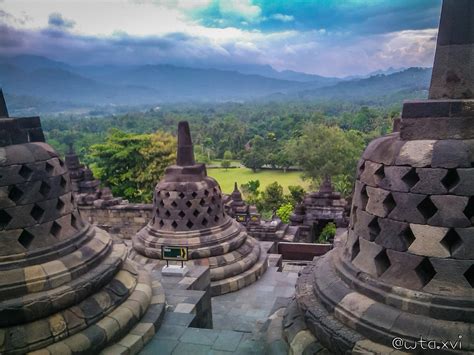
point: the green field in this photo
(242, 175)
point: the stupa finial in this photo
(185, 145)
(453, 77)
(3, 106)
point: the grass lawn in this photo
(242, 175)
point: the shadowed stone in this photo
(3, 106)
(185, 155)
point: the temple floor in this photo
(240, 321)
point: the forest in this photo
(129, 152)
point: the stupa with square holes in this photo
(65, 286)
(189, 212)
(407, 267)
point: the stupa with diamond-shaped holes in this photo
(65, 286)
(189, 211)
(407, 267)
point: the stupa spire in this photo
(453, 76)
(3, 106)
(185, 145)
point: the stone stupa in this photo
(407, 268)
(189, 211)
(65, 286)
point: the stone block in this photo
(430, 181)
(398, 178)
(367, 226)
(379, 203)
(465, 182)
(428, 241)
(449, 278)
(405, 207)
(394, 235)
(451, 154)
(372, 173)
(402, 270)
(450, 211)
(383, 150)
(417, 153)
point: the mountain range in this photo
(39, 84)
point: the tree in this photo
(296, 194)
(131, 164)
(323, 150)
(284, 212)
(255, 158)
(225, 164)
(272, 197)
(228, 155)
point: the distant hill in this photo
(407, 84)
(38, 83)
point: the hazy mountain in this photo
(46, 84)
(407, 84)
(388, 71)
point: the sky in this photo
(324, 37)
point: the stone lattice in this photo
(407, 268)
(189, 211)
(65, 287)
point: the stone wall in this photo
(122, 221)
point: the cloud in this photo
(283, 18)
(334, 38)
(56, 19)
(240, 8)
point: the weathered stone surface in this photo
(450, 211)
(451, 154)
(417, 153)
(380, 202)
(430, 181)
(406, 207)
(428, 241)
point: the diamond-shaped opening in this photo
(61, 162)
(158, 212)
(389, 203)
(49, 168)
(181, 214)
(5, 218)
(14, 193)
(174, 204)
(469, 275)
(206, 192)
(189, 224)
(202, 202)
(353, 216)
(194, 194)
(427, 208)
(162, 204)
(167, 194)
(425, 271)
(153, 220)
(174, 225)
(411, 178)
(209, 209)
(167, 213)
(55, 229)
(204, 222)
(196, 213)
(380, 173)
(161, 223)
(62, 182)
(355, 250)
(213, 199)
(451, 241)
(408, 236)
(37, 212)
(374, 229)
(215, 190)
(59, 205)
(469, 210)
(216, 218)
(74, 222)
(25, 239)
(181, 195)
(382, 262)
(189, 204)
(364, 197)
(451, 179)
(25, 172)
(44, 189)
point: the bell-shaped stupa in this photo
(406, 271)
(189, 212)
(65, 286)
